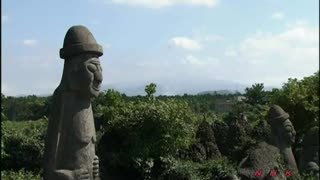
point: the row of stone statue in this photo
(71, 137)
(269, 156)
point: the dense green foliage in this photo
(141, 136)
(256, 94)
(19, 175)
(23, 144)
(25, 108)
(300, 98)
(213, 169)
(138, 133)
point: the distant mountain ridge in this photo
(179, 88)
(220, 92)
(172, 87)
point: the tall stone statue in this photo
(71, 136)
(267, 154)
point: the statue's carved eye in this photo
(92, 67)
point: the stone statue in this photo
(263, 158)
(71, 136)
(205, 147)
(310, 152)
(267, 156)
(283, 134)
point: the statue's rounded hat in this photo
(277, 113)
(79, 40)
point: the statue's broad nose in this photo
(98, 76)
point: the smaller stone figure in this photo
(205, 148)
(310, 152)
(283, 134)
(263, 159)
(267, 156)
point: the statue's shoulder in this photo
(264, 146)
(266, 150)
(264, 155)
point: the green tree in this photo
(300, 98)
(255, 94)
(150, 89)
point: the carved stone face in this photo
(86, 75)
(287, 132)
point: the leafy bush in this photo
(139, 132)
(208, 170)
(19, 175)
(309, 176)
(262, 131)
(182, 170)
(23, 144)
(234, 134)
(25, 108)
(217, 169)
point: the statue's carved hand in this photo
(82, 174)
(95, 168)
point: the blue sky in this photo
(181, 45)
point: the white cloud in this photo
(5, 18)
(30, 42)
(303, 34)
(165, 3)
(204, 35)
(212, 37)
(185, 43)
(293, 52)
(297, 23)
(300, 41)
(192, 60)
(230, 53)
(278, 15)
(207, 38)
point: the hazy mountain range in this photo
(180, 88)
(172, 87)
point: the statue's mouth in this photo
(96, 85)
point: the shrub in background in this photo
(23, 144)
(19, 175)
(138, 133)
